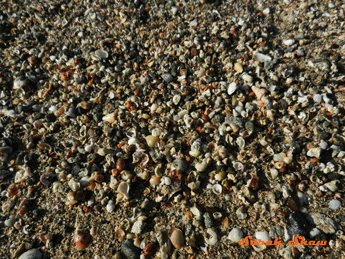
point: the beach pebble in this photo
(101, 53)
(263, 235)
(317, 98)
(9, 222)
(323, 145)
(262, 57)
(31, 254)
(232, 88)
(314, 152)
(130, 250)
(235, 235)
(334, 204)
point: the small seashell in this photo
(180, 165)
(47, 179)
(82, 240)
(241, 143)
(176, 238)
(217, 189)
(235, 235)
(314, 152)
(155, 180)
(124, 189)
(263, 235)
(274, 173)
(110, 206)
(240, 213)
(288, 42)
(101, 53)
(213, 238)
(217, 215)
(12, 189)
(110, 118)
(238, 166)
(200, 167)
(151, 140)
(120, 233)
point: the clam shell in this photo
(124, 189)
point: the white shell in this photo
(217, 189)
(212, 240)
(314, 152)
(217, 215)
(200, 167)
(262, 58)
(196, 212)
(124, 189)
(240, 142)
(263, 235)
(110, 206)
(289, 42)
(235, 235)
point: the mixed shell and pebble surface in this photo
(171, 129)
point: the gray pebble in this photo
(208, 220)
(130, 250)
(31, 254)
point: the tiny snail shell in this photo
(217, 189)
(12, 189)
(212, 240)
(217, 215)
(82, 240)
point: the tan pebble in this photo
(177, 238)
(238, 67)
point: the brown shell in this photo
(82, 240)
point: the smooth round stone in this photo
(31, 254)
(317, 98)
(334, 204)
(10, 222)
(323, 145)
(235, 235)
(101, 53)
(263, 235)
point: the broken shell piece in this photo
(177, 238)
(196, 212)
(152, 140)
(212, 237)
(200, 167)
(217, 189)
(124, 189)
(120, 233)
(110, 118)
